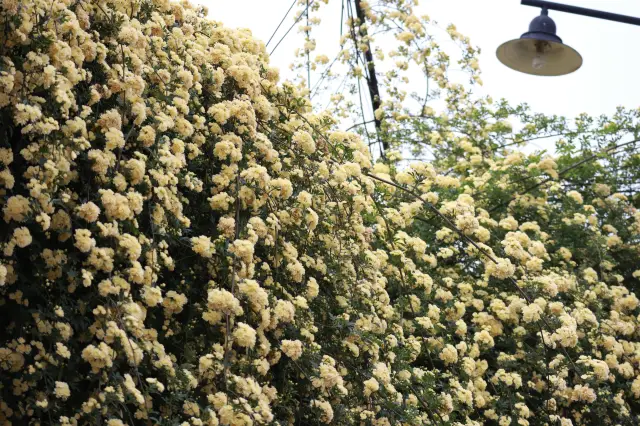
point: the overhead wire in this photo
(281, 22)
(291, 27)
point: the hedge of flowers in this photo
(184, 242)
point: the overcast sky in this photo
(609, 76)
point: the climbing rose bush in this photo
(185, 242)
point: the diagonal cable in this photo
(283, 18)
(291, 27)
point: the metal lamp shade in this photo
(540, 51)
(559, 58)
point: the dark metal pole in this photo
(582, 11)
(372, 78)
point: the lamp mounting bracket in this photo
(547, 5)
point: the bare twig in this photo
(562, 172)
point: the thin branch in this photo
(562, 172)
(308, 52)
(359, 124)
(484, 252)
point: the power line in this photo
(291, 27)
(283, 18)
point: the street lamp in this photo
(540, 51)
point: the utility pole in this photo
(372, 79)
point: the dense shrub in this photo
(184, 242)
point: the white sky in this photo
(608, 77)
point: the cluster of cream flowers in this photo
(186, 243)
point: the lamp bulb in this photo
(538, 62)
